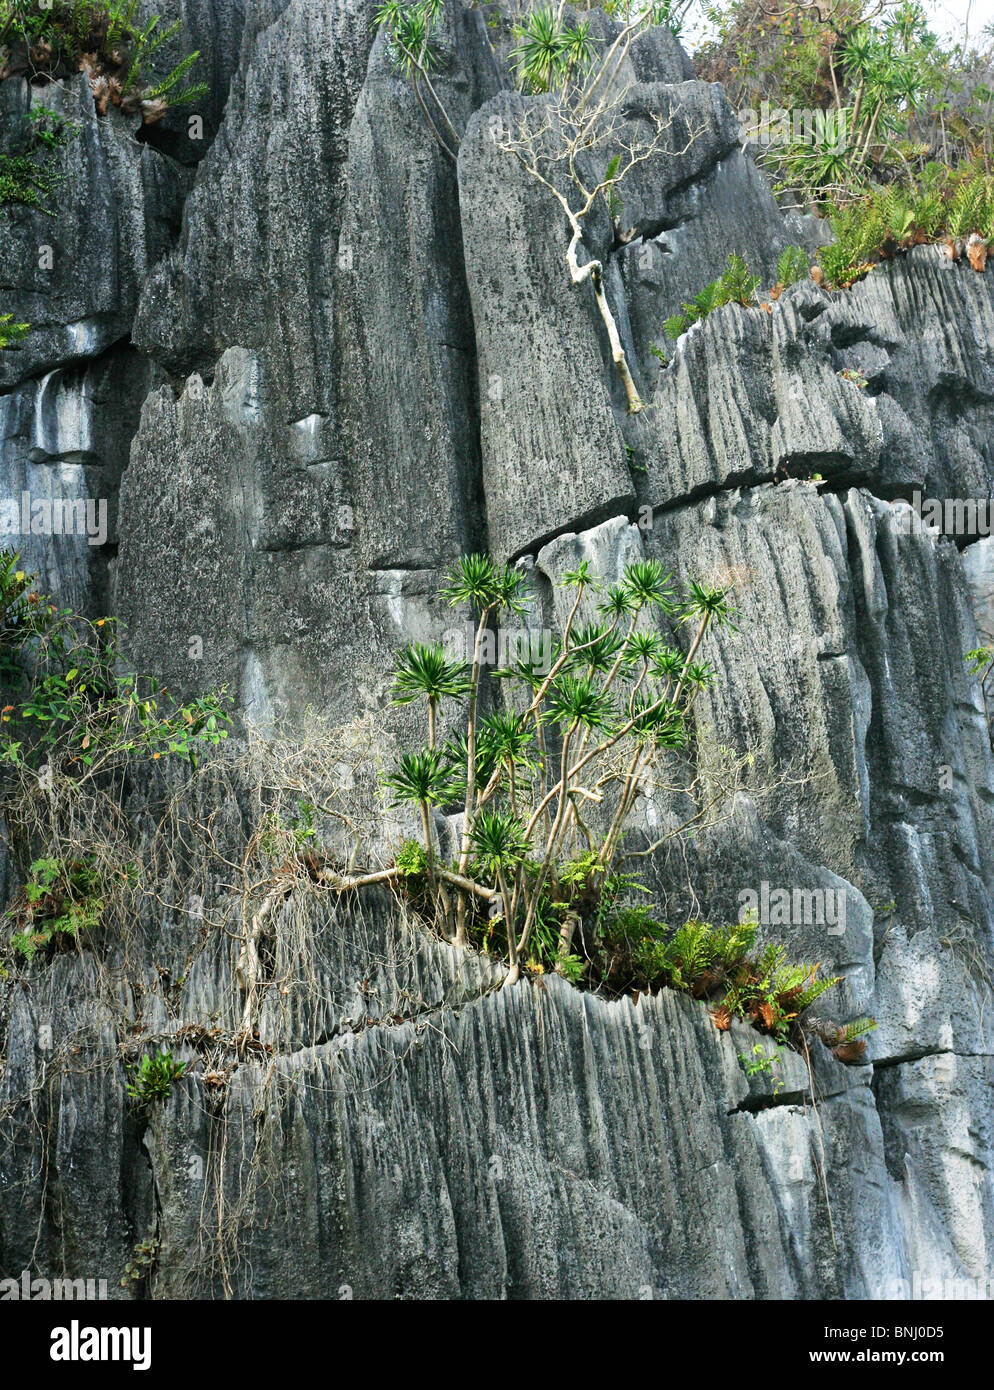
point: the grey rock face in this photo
(401, 279)
(256, 262)
(66, 437)
(75, 276)
(531, 1143)
(361, 359)
(914, 331)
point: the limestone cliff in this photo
(311, 367)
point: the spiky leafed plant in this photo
(548, 52)
(412, 29)
(500, 845)
(425, 671)
(424, 779)
(584, 733)
(490, 589)
(509, 741)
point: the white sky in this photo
(949, 16)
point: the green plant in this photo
(759, 1062)
(425, 671)
(736, 285)
(152, 1078)
(585, 732)
(615, 204)
(60, 899)
(81, 710)
(30, 174)
(24, 616)
(857, 378)
(718, 963)
(550, 52)
(981, 660)
(140, 1267)
(944, 204)
(792, 266)
(10, 332)
(75, 728)
(110, 40)
(411, 28)
(411, 860)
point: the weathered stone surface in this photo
(751, 395)
(381, 361)
(75, 275)
(64, 444)
(526, 1143)
(256, 263)
(410, 417)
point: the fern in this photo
(815, 989)
(736, 285)
(852, 1032)
(792, 266)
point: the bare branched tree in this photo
(580, 140)
(580, 132)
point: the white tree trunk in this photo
(594, 272)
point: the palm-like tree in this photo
(576, 700)
(646, 582)
(548, 52)
(508, 739)
(491, 589)
(500, 844)
(426, 671)
(514, 859)
(425, 779)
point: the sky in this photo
(950, 15)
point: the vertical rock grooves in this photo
(306, 374)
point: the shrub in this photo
(582, 734)
(61, 899)
(734, 286)
(792, 266)
(10, 332)
(944, 205)
(108, 40)
(981, 663)
(30, 174)
(76, 726)
(720, 964)
(152, 1078)
(80, 708)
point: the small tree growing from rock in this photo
(584, 137)
(580, 137)
(578, 743)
